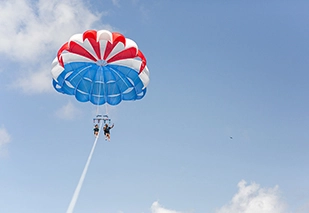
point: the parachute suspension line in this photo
(106, 109)
(101, 79)
(81, 180)
(104, 88)
(105, 95)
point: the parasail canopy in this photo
(100, 67)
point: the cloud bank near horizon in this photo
(157, 208)
(250, 198)
(254, 199)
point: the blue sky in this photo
(218, 69)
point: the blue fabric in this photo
(100, 84)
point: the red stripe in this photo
(125, 54)
(77, 49)
(117, 37)
(143, 58)
(91, 35)
(63, 48)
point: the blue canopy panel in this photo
(100, 84)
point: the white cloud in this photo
(36, 27)
(116, 3)
(68, 112)
(31, 33)
(5, 138)
(254, 199)
(157, 208)
(34, 81)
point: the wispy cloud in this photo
(116, 3)
(34, 81)
(5, 138)
(32, 31)
(68, 112)
(254, 199)
(157, 208)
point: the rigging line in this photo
(82, 177)
(100, 82)
(106, 109)
(105, 90)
